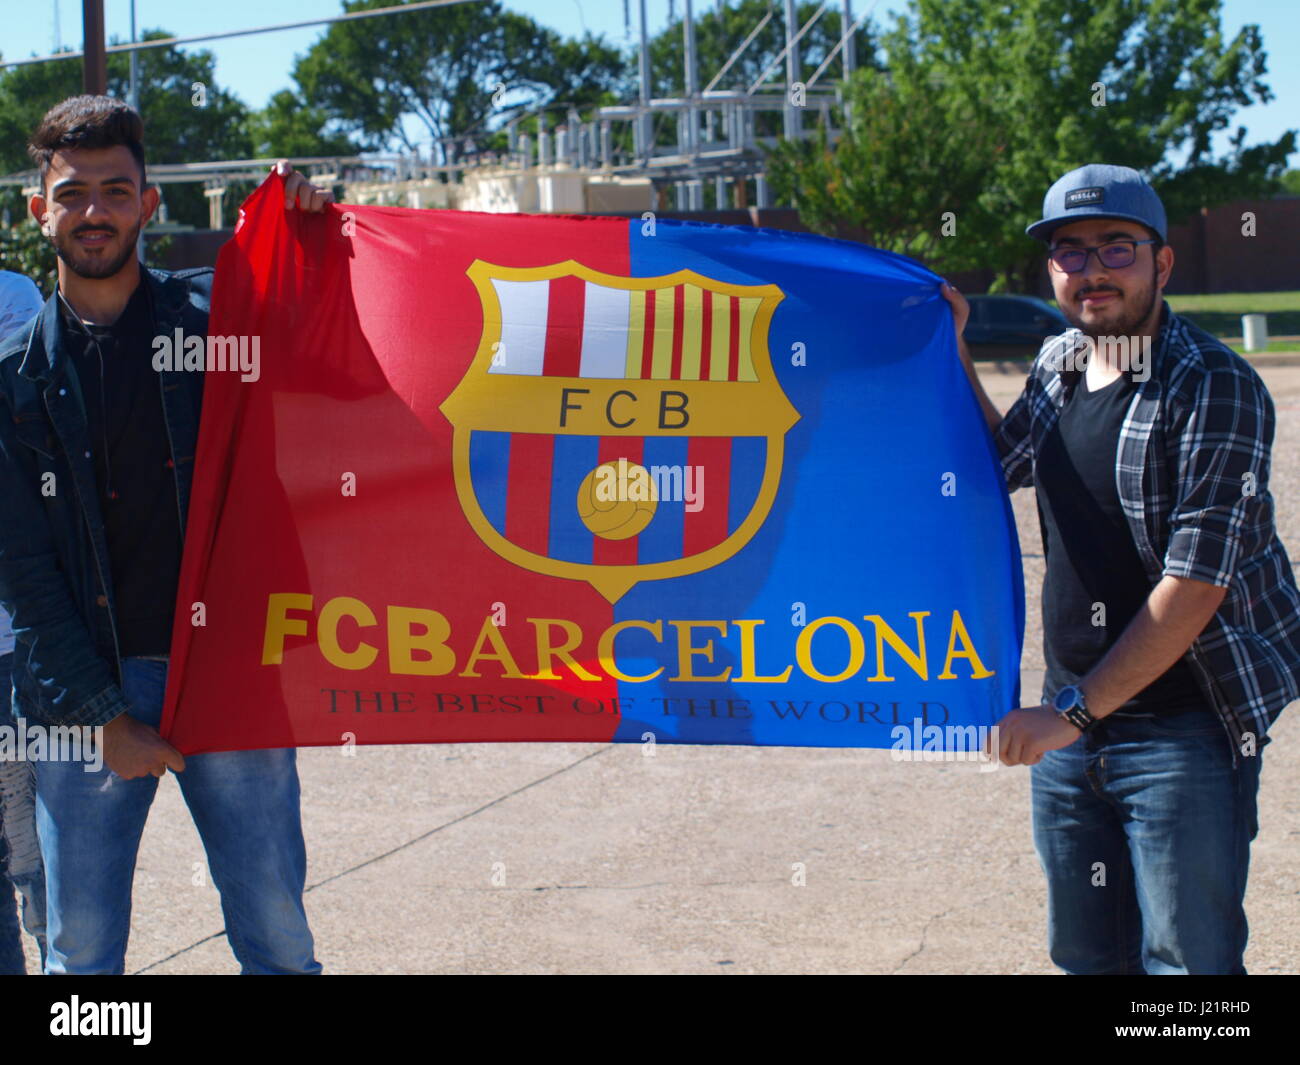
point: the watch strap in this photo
(1076, 713)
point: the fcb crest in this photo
(618, 429)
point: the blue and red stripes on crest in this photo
(538, 508)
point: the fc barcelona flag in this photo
(500, 477)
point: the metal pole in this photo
(692, 82)
(793, 124)
(843, 42)
(133, 98)
(643, 120)
(830, 56)
(133, 93)
(849, 32)
(94, 76)
(786, 50)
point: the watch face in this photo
(1066, 698)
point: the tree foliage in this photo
(289, 126)
(985, 104)
(25, 250)
(177, 128)
(448, 70)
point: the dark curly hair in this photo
(87, 122)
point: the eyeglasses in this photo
(1114, 255)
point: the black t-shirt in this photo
(133, 471)
(1094, 573)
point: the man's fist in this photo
(301, 192)
(132, 749)
(960, 308)
(1028, 733)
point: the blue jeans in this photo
(245, 806)
(20, 853)
(1143, 828)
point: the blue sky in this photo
(256, 67)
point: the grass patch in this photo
(1220, 313)
(1273, 345)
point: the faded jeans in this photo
(245, 805)
(1143, 828)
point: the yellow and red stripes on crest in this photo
(568, 327)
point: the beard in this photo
(1126, 315)
(90, 266)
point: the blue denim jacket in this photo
(55, 578)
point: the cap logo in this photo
(1084, 197)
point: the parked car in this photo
(1010, 327)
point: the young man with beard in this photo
(1171, 619)
(96, 455)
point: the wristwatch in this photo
(1070, 705)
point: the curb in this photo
(1259, 358)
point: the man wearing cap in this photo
(1171, 618)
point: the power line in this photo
(168, 42)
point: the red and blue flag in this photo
(562, 478)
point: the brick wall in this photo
(1212, 255)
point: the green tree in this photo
(578, 74)
(288, 126)
(26, 93)
(1029, 91)
(448, 70)
(896, 174)
(188, 117)
(24, 250)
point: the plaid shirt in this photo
(1192, 473)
